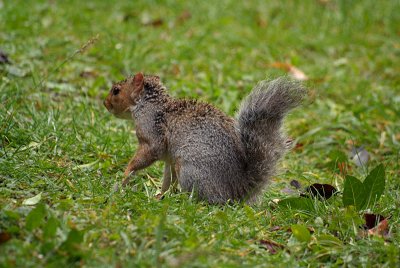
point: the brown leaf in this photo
(372, 220)
(293, 71)
(376, 225)
(184, 16)
(155, 23)
(175, 69)
(344, 168)
(4, 58)
(262, 22)
(382, 229)
(296, 184)
(271, 246)
(4, 237)
(88, 74)
(275, 228)
(299, 146)
(320, 191)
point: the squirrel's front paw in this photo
(127, 173)
(159, 196)
(125, 181)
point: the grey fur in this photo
(259, 123)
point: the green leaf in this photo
(301, 233)
(71, 244)
(374, 185)
(47, 247)
(327, 240)
(33, 200)
(50, 228)
(299, 203)
(35, 217)
(354, 192)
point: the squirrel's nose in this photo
(106, 103)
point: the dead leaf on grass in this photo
(296, 184)
(372, 220)
(271, 246)
(4, 58)
(4, 237)
(154, 22)
(184, 16)
(359, 156)
(375, 224)
(88, 74)
(382, 229)
(291, 70)
(318, 190)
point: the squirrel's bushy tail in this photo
(259, 121)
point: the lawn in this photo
(61, 152)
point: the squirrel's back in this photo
(208, 156)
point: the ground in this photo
(60, 147)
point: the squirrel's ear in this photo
(138, 84)
(138, 80)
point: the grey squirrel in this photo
(219, 158)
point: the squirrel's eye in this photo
(115, 91)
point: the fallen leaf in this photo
(381, 230)
(359, 156)
(271, 246)
(293, 71)
(262, 22)
(33, 200)
(301, 233)
(16, 71)
(327, 240)
(154, 23)
(288, 191)
(88, 74)
(375, 224)
(320, 191)
(175, 69)
(31, 145)
(184, 16)
(372, 220)
(299, 146)
(275, 228)
(4, 237)
(344, 168)
(4, 58)
(85, 166)
(295, 184)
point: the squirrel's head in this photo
(123, 95)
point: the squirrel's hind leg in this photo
(170, 178)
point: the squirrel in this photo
(219, 158)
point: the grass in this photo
(57, 139)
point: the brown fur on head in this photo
(123, 95)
